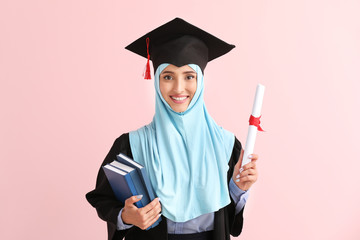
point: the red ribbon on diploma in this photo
(255, 122)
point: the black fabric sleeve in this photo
(102, 197)
(235, 221)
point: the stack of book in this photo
(128, 178)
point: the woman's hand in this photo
(141, 217)
(244, 178)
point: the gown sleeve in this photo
(102, 197)
(235, 220)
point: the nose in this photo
(179, 85)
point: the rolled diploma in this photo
(256, 112)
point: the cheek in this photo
(162, 88)
(165, 89)
(193, 87)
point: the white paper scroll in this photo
(256, 112)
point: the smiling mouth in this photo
(179, 98)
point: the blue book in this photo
(121, 184)
(136, 179)
(122, 158)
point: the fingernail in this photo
(250, 156)
(139, 196)
(241, 169)
(158, 199)
(237, 180)
(237, 176)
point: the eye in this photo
(167, 77)
(190, 77)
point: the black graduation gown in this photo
(102, 198)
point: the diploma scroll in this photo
(252, 131)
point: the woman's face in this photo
(178, 86)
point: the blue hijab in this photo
(186, 156)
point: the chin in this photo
(179, 110)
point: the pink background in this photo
(69, 88)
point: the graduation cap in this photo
(179, 43)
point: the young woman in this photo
(193, 163)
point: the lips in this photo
(179, 99)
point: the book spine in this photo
(147, 183)
(132, 187)
(142, 172)
(140, 187)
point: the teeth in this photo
(179, 98)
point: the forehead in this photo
(175, 69)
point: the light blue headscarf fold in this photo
(186, 156)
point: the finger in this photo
(151, 205)
(253, 157)
(238, 164)
(158, 208)
(131, 200)
(152, 221)
(248, 178)
(248, 172)
(244, 174)
(241, 157)
(150, 217)
(250, 165)
(154, 211)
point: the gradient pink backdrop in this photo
(68, 89)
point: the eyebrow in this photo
(182, 72)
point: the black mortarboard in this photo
(179, 43)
